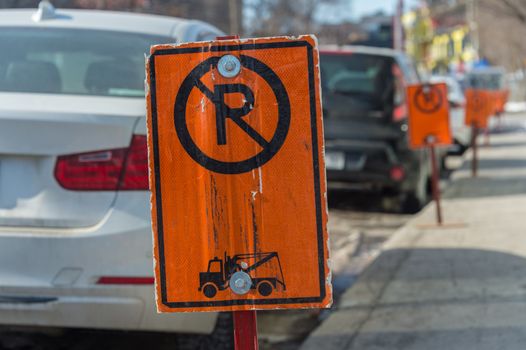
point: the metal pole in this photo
(435, 184)
(245, 330)
(474, 162)
(233, 7)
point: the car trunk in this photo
(345, 119)
(33, 135)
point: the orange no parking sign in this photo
(428, 115)
(480, 105)
(237, 175)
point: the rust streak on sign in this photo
(428, 115)
(237, 175)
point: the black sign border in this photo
(316, 168)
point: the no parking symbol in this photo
(224, 113)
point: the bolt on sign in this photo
(428, 115)
(237, 175)
(479, 107)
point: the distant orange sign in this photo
(428, 115)
(237, 175)
(480, 105)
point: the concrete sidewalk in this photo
(459, 287)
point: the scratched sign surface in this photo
(237, 175)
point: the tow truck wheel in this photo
(210, 291)
(265, 288)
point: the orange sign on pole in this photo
(428, 115)
(237, 175)
(479, 107)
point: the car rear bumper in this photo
(364, 165)
(361, 181)
(50, 277)
(125, 308)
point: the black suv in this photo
(365, 118)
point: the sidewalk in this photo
(460, 287)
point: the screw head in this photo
(229, 66)
(240, 282)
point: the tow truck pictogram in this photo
(220, 274)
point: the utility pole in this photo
(234, 8)
(398, 29)
(471, 17)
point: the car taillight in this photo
(397, 173)
(122, 169)
(400, 113)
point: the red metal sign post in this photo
(245, 330)
(474, 162)
(435, 186)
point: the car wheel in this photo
(265, 288)
(414, 200)
(210, 291)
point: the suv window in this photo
(361, 84)
(74, 61)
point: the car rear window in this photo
(359, 83)
(74, 61)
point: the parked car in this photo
(75, 234)
(365, 120)
(457, 107)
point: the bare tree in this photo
(511, 8)
(502, 28)
(274, 17)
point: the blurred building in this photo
(439, 36)
(453, 35)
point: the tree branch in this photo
(510, 8)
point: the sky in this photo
(358, 8)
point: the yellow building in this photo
(436, 46)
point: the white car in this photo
(457, 106)
(75, 235)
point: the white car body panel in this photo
(108, 20)
(55, 243)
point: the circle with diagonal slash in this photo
(428, 99)
(270, 148)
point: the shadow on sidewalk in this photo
(496, 163)
(485, 187)
(454, 264)
(432, 299)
